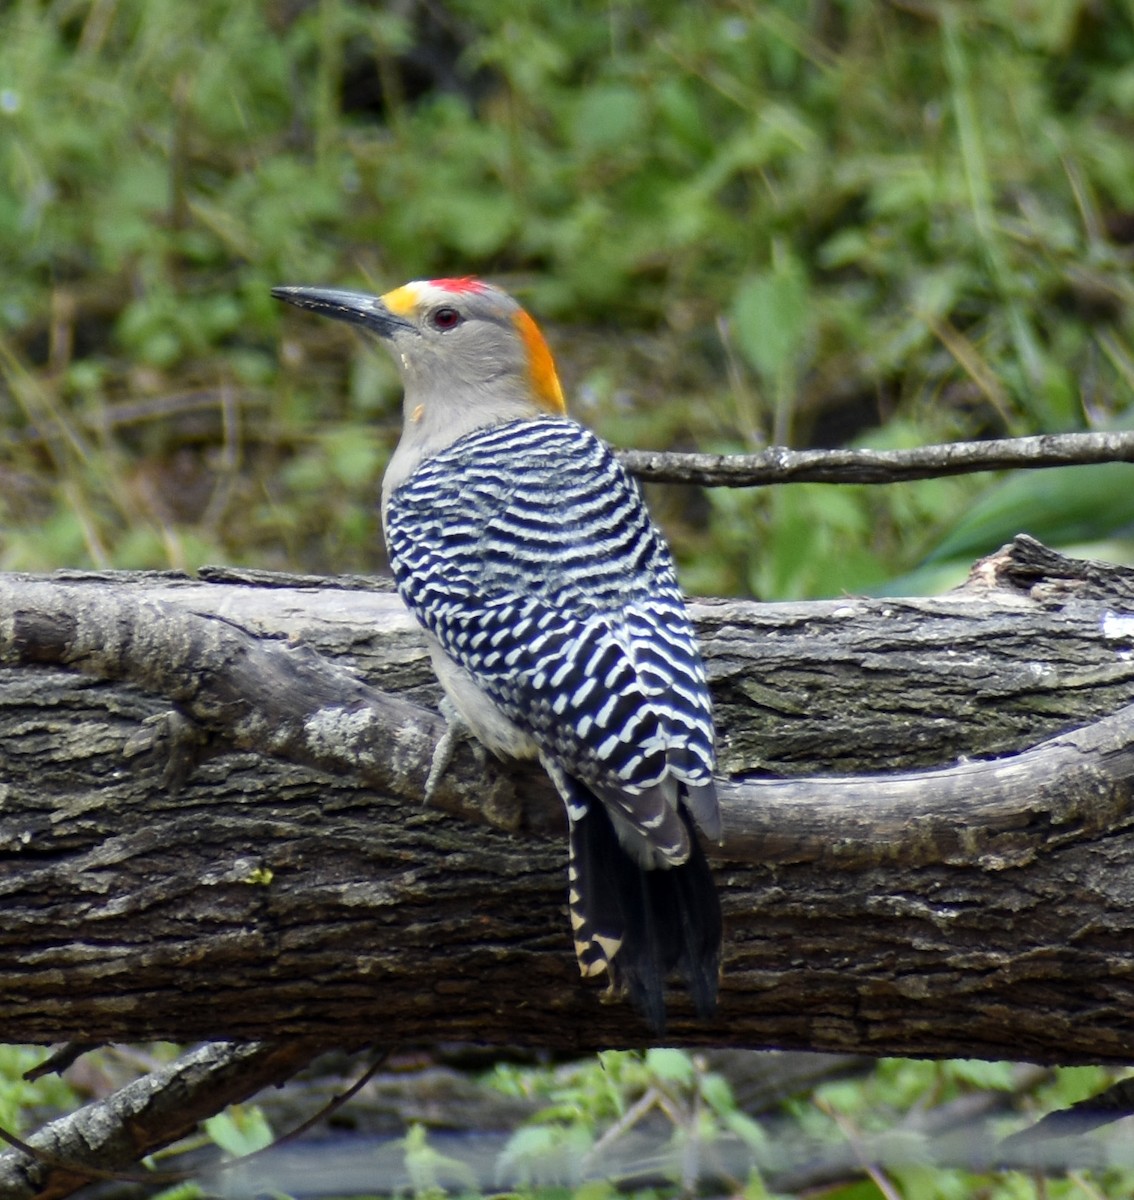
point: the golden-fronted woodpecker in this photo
(554, 620)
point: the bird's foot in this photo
(457, 731)
(173, 741)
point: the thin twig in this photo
(780, 465)
(854, 1142)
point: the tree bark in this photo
(211, 824)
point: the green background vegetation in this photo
(800, 222)
(742, 222)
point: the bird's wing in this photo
(528, 553)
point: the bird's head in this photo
(457, 342)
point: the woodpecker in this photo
(554, 620)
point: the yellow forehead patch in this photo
(402, 300)
(541, 366)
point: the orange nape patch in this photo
(541, 366)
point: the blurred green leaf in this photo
(674, 1066)
(239, 1130)
(989, 1076)
(609, 116)
(431, 1173)
(543, 1154)
(1058, 506)
(771, 315)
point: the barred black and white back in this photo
(527, 552)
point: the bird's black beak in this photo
(358, 308)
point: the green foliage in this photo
(239, 1130)
(599, 1108)
(601, 1112)
(18, 1097)
(835, 216)
(182, 1191)
(433, 1175)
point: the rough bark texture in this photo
(211, 827)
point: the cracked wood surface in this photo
(211, 824)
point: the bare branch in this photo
(285, 881)
(143, 1116)
(262, 694)
(778, 464)
(291, 703)
(1081, 781)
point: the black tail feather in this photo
(643, 925)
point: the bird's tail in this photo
(641, 925)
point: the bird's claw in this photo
(457, 731)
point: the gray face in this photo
(447, 336)
(460, 336)
(456, 342)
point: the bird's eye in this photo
(446, 318)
